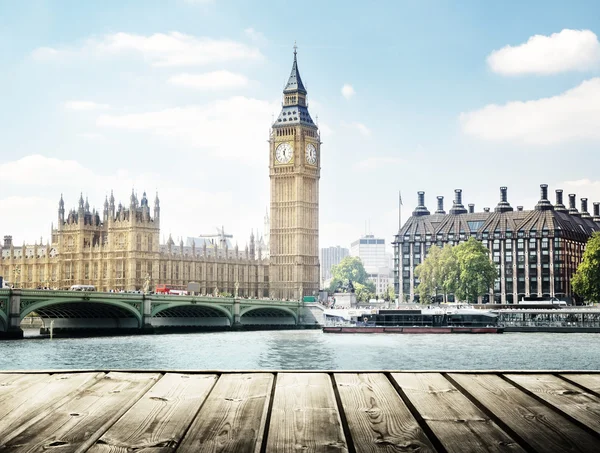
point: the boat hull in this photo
(437, 330)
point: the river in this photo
(306, 350)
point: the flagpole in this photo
(399, 211)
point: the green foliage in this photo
(390, 294)
(464, 270)
(586, 281)
(363, 292)
(350, 268)
(476, 270)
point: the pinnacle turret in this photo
(294, 84)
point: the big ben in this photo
(294, 171)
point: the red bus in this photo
(163, 289)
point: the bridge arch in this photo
(268, 315)
(191, 314)
(83, 313)
(3, 321)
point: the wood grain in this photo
(17, 412)
(572, 400)
(304, 416)
(233, 417)
(540, 426)
(589, 381)
(79, 422)
(456, 422)
(378, 419)
(158, 421)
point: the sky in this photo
(178, 96)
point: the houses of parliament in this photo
(119, 248)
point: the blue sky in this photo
(177, 96)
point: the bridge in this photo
(89, 312)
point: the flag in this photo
(400, 197)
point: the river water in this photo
(307, 350)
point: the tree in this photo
(464, 270)
(586, 281)
(364, 292)
(476, 270)
(349, 269)
(428, 273)
(390, 294)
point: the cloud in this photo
(348, 91)
(570, 116)
(373, 163)
(229, 129)
(44, 171)
(364, 130)
(255, 36)
(217, 80)
(85, 105)
(569, 50)
(160, 49)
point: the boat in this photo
(433, 319)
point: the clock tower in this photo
(294, 171)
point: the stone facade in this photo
(294, 170)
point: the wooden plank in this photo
(541, 427)
(158, 421)
(579, 404)
(12, 384)
(304, 416)
(233, 417)
(458, 424)
(79, 422)
(378, 419)
(17, 412)
(589, 381)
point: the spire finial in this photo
(295, 49)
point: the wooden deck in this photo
(142, 411)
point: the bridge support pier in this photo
(13, 329)
(147, 326)
(236, 313)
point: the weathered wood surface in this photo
(263, 412)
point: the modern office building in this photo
(535, 251)
(331, 256)
(375, 259)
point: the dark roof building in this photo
(536, 252)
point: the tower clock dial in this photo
(311, 154)
(283, 153)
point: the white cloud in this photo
(348, 91)
(570, 116)
(159, 49)
(373, 163)
(230, 129)
(85, 105)
(44, 171)
(364, 130)
(255, 36)
(569, 50)
(216, 80)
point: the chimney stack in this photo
(544, 204)
(520, 208)
(572, 209)
(7, 242)
(559, 206)
(596, 212)
(503, 205)
(440, 205)
(420, 209)
(471, 208)
(584, 209)
(486, 209)
(458, 207)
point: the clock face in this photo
(311, 154)
(283, 153)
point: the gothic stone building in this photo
(536, 252)
(119, 249)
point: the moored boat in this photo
(440, 320)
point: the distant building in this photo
(536, 252)
(376, 261)
(331, 256)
